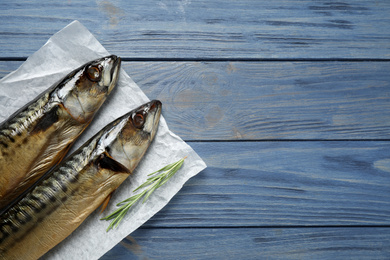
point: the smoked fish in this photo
(37, 136)
(60, 202)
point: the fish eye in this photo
(138, 120)
(94, 73)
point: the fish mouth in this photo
(115, 63)
(155, 107)
(155, 104)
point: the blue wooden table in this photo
(288, 103)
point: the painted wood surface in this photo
(207, 29)
(250, 243)
(260, 184)
(267, 100)
(287, 102)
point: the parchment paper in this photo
(66, 50)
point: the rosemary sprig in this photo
(153, 182)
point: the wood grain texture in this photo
(319, 196)
(243, 243)
(206, 29)
(270, 100)
(267, 100)
(258, 184)
(7, 67)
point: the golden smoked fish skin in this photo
(37, 137)
(61, 201)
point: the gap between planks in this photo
(287, 140)
(266, 227)
(139, 59)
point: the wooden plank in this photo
(267, 100)
(254, 243)
(270, 100)
(259, 184)
(7, 67)
(207, 29)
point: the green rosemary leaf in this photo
(156, 180)
(150, 191)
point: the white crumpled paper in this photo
(66, 50)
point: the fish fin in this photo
(46, 121)
(105, 203)
(107, 162)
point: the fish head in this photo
(84, 90)
(137, 130)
